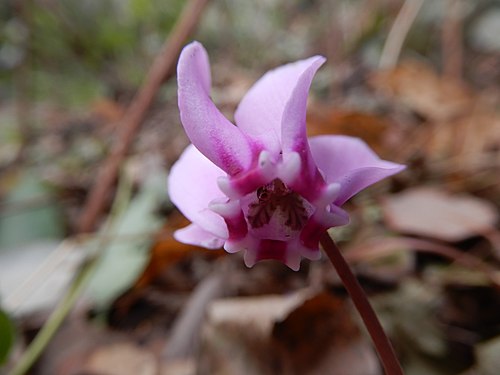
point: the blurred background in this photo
(89, 128)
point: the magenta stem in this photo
(360, 300)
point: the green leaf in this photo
(128, 254)
(31, 213)
(7, 335)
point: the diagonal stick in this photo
(160, 71)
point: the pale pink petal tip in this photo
(351, 163)
(194, 235)
(260, 112)
(293, 260)
(207, 128)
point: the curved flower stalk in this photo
(262, 186)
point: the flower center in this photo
(276, 197)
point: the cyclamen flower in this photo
(262, 186)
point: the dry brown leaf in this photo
(301, 333)
(108, 110)
(416, 85)
(466, 139)
(236, 338)
(179, 367)
(371, 128)
(431, 212)
(259, 312)
(167, 251)
(320, 337)
(122, 359)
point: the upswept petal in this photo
(350, 162)
(261, 110)
(207, 128)
(194, 235)
(192, 186)
(293, 122)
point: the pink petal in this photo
(293, 122)
(192, 185)
(207, 128)
(350, 162)
(260, 113)
(194, 235)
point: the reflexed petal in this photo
(350, 162)
(293, 122)
(260, 112)
(192, 185)
(194, 235)
(207, 128)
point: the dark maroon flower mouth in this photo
(276, 197)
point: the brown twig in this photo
(451, 40)
(161, 69)
(358, 296)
